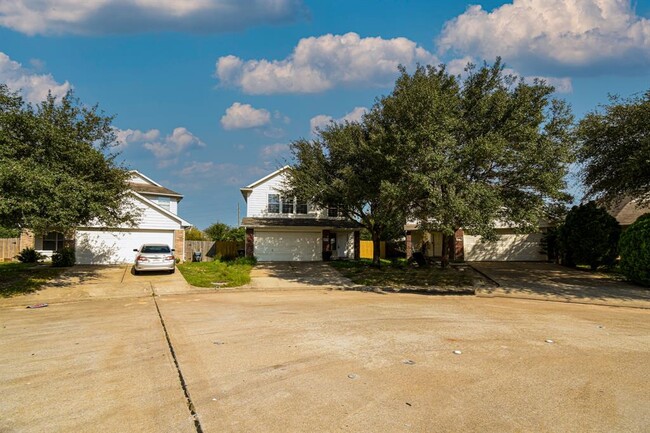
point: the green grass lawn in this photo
(20, 278)
(227, 273)
(400, 275)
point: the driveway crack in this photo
(188, 398)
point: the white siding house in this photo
(281, 229)
(158, 222)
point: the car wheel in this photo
(172, 271)
(136, 272)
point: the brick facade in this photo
(250, 242)
(179, 244)
(27, 240)
(409, 245)
(357, 245)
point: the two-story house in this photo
(158, 222)
(284, 229)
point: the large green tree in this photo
(352, 167)
(615, 150)
(486, 149)
(57, 170)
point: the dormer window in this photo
(163, 202)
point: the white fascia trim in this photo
(147, 178)
(267, 177)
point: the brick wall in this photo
(179, 244)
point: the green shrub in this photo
(252, 261)
(64, 258)
(589, 236)
(635, 251)
(29, 255)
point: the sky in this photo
(208, 94)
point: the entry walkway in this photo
(547, 281)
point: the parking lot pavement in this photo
(98, 365)
(365, 362)
(548, 281)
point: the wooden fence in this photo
(366, 248)
(211, 249)
(9, 249)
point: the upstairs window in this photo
(334, 211)
(274, 203)
(287, 205)
(301, 207)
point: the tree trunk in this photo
(376, 249)
(444, 262)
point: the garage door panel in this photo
(288, 246)
(113, 247)
(507, 247)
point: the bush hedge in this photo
(64, 258)
(589, 236)
(635, 251)
(29, 255)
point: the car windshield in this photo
(160, 249)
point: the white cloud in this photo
(129, 136)
(321, 63)
(240, 116)
(322, 120)
(274, 150)
(134, 16)
(174, 144)
(225, 173)
(585, 35)
(34, 87)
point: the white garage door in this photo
(508, 247)
(288, 246)
(111, 247)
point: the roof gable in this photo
(245, 191)
(139, 178)
(161, 210)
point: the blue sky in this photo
(208, 93)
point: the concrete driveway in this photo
(296, 275)
(549, 281)
(323, 360)
(94, 281)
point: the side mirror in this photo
(173, 250)
(135, 249)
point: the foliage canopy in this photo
(615, 150)
(56, 167)
(589, 236)
(635, 251)
(446, 151)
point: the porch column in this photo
(459, 246)
(357, 245)
(409, 245)
(250, 242)
(327, 246)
